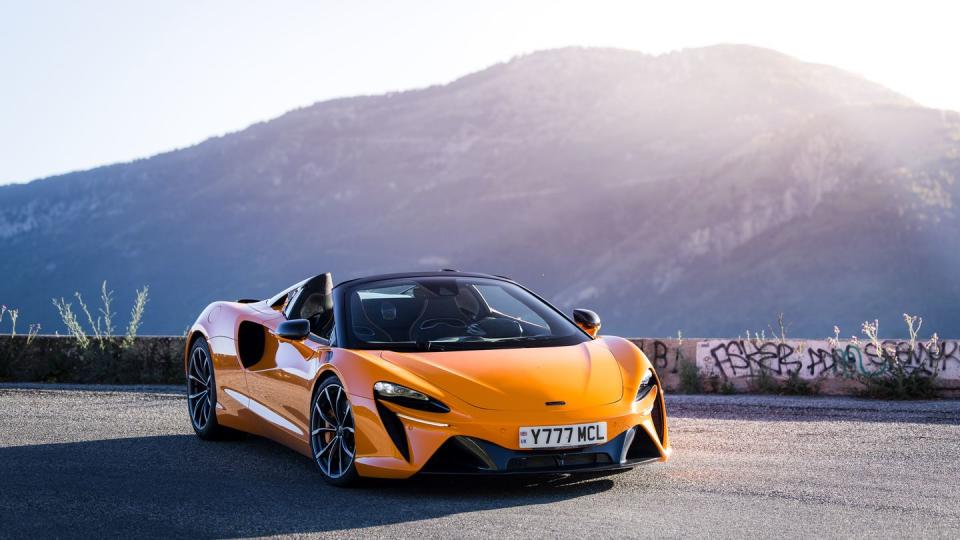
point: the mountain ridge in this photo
(682, 164)
(515, 60)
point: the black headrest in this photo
(316, 304)
(315, 296)
(320, 284)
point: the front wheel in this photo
(332, 433)
(202, 394)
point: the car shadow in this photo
(178, 485)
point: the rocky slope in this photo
(704, 190)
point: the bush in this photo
(796, 386)
(690, 381)
(763, 382)
(898, 382)
(895, 379)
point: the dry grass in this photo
(895, 379)
(101, 329)
(14, 314)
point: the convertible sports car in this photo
(437, 372)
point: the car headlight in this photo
(646, 384)
(406, 397)
(386, 389)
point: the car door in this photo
(281, 382)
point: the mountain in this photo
(704, 190)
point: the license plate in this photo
(559, 436)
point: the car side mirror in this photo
(295, 329)
(587, 320)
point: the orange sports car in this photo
(424, 373)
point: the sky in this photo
(95, 82)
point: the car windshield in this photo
(440, 313)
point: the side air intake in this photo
(394, 429)
(642, 446)
(251, 340)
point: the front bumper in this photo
(462, 455)
(394, 443)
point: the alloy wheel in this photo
(200, 388)
(332, 431)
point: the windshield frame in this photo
(345, 339)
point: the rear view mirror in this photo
(587, 320)
(296, 329)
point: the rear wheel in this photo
(202, 393)
(332, 433)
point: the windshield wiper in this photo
(523, 339)
(470, 342)
(427, 346)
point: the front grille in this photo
(468, 455)
(533, 462)
(557, 461)
(455, 457)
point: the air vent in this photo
(459, 456)
(394, 429)
(642, 446)
(657, 416)
(251, 339)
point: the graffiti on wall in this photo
(664, 357)
(814, 359)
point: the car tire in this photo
(202, 394)
(332, 433)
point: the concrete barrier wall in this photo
(818, 359)
(833, 370)
(150, 360)
(667, 356)
(159, 360)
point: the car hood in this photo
(583, 375)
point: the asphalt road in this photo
(122, 462)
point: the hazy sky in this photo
(86, 83)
